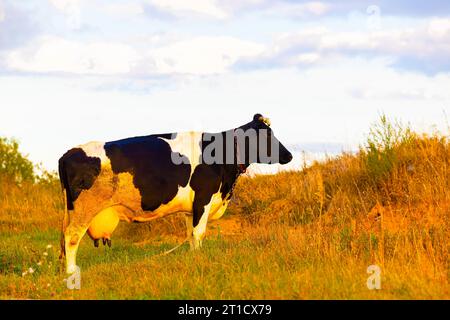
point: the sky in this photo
(74, 71)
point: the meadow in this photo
(310, 234)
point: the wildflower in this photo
(31, 271)
(45, 254)
(39, 263)
(49, 246)
(24, 273)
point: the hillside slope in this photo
(294, 235)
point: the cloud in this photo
(228, 9)
(296, 10)
(197, 56)
(418, 8)
(71, 9)
(56, 55)
(188, 8)
(103, 51)
(222, 10)
(16, 25)
(128, 9)
(203, 55)
(2, 12)
(316, 8)
(439, 28)
(65, 5)
(424, 49)
(399, 8)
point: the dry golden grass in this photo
(295, 235)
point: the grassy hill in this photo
(295, 235)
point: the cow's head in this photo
(258, 141)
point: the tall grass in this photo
(387, 205)
(294, 235)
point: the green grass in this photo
(258, 265)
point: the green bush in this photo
(381, 149)
(13, 165)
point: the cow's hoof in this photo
(96, 243)
(104, 241)
(109, 242)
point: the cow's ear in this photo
(259, 117)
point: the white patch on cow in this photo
(220, 211)
(182, 202)
(95, 149)
(187, 144)
(200, 229)
(212, 207)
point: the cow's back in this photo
(148, 173)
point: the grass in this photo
(294, 235)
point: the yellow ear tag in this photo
(265, 120)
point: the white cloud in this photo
(314, 8)
(72, 11)
(184, 8)
(221, 9)
(65, 5)
(124, 9)
(2, 13)
(439, 28)
(203, 55)
(424, 47)
(53, 54)
(198, 56)
(307, 58)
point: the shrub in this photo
(380, 151)
(13, 165)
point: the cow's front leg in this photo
(73, 235)
(200, 220)
(80, 220)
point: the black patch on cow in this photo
(149, 160)
(208, 178)
(77, 172)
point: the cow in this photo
(143, 178)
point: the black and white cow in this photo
(143, 178)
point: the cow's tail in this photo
(165, 253)
(64, 188)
